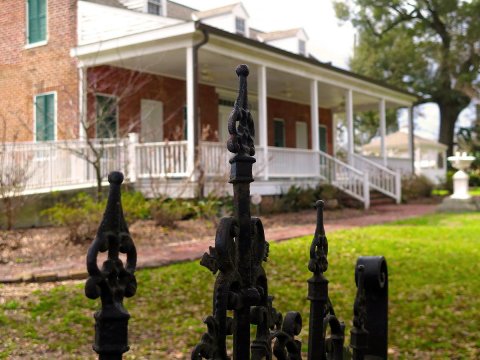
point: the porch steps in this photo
(377, 198)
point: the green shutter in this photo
(106, 117)
(37, 21)
(45, 117)
(322, 137)
(279, 133)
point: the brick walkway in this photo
(150, 257)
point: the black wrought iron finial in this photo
(114, 280)
(242, 287)
(240, 123)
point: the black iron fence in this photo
(242, 304)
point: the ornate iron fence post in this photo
(241, 284)
(113, 281)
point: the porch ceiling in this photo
(218, 71)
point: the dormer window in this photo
(302, 47)
(155, 7)
(240, 26)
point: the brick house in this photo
(76, 69)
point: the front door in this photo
(152, 121)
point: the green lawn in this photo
(434, 266)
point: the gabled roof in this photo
(198, 15)
(112, 3)
(282, 34)
(179, 11)
(399, 140)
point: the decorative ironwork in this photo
(241, 285)
(113, 281)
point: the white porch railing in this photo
(345, 177)
(161, 159)
(61, 165)
(57, 165)
(380, 178)
(288, 162)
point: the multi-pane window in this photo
(302, 47)
(106, 111)
(240, 26)
(155, 7)
(45, 117)
(37, 21)
(279, 133)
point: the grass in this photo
(434, 262)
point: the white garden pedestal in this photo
(460, 200)
(460, 178)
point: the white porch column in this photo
(262, 117)
(411, 145)
(82, 102)
(349, 116)
(314, 114)
(190, 112)
(383, 131)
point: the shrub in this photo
(298, 198)
(81, 216)
(166, 212)
(415, 187)
(135, 207)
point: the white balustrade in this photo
(56, 165)
(162, 159)
(292, 163)
(345, 177)
(380, 178)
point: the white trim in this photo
(314, 116)
(55, 97)
(117, 113)
(41, 42)
(383, 131)
(349, 116)
(190, 101)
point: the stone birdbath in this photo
(460, 178)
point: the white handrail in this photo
(350, 180)
(380, 178)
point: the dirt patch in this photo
(41, 254)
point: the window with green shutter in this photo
(106, 111)
(37, 21)
(279, 133)
(322, 138)
(45, 117)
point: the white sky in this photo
(328, 40)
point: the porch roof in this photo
(158, 44)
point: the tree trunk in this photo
(450, 107)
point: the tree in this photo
(430, 47)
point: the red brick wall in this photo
(292, 112)
(25, 73)
(131, 87)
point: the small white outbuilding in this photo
(430, 155)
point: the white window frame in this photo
(55, 101)
(244, 32)
(159, 3)
(117, 112)
(38, 43)
(302, 47)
